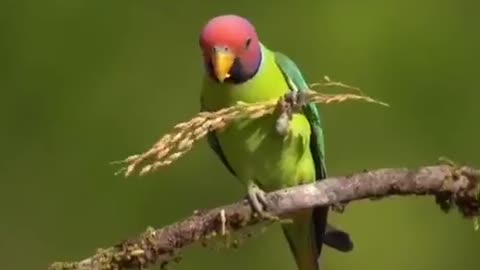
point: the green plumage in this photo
(254, 151)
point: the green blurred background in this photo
(87, 82)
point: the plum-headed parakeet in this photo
(263, 154)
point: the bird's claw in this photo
(290, 103)
(259, 202)
(296, 99)
(257, 198)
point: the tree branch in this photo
(449, 185)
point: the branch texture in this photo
(450, 185)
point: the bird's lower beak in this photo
(222, 63)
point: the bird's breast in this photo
(257, 152)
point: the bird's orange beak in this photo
(222, 63)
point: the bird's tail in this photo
(305, 238)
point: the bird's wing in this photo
(297, 83)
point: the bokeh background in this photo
(87, 82)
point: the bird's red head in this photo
(231, 48)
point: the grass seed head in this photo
(184, 135)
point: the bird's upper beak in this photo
(222, 63)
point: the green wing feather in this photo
(297, 83)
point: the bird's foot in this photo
(258, 201)
(290, 103)
(297, 99)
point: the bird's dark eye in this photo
(247, 43)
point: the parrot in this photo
(271, 152)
